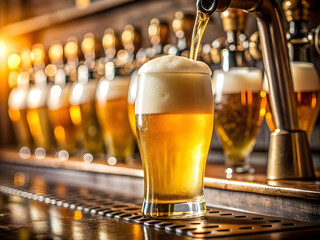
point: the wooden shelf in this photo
(61, 16)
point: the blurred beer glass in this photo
(83, 111)
(307, 92)
(17, 106)
(37, 114)
(132, 93)
(112, 110)
(239, 110)
(174, 117)
(59, 112)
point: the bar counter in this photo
(298, 200)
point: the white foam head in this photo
(237, 80)
(304, 76)
(174, 64)
(59, 96)
(83, 92)
(18, 98)
(172, 84)
(37, 96)
(113, 89)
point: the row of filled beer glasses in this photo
(81, 112)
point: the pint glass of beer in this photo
(306, 87)
(112, 110)
(132, 93)
(174, 119)
(239, 107)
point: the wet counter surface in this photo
(215, 176)
(37, 204)
(78, 191)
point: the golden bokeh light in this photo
(14, 61)
(50, 70)
(108, 40)
(88, 44)
(77, 215)
(71, 48)
(37, 54)
(128, 34)
(81, 4)
(75, 114)
(56, 52)
(25, 59)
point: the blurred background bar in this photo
(68, 83)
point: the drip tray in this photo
(216, 223)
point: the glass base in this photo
(174, 210)
(239, 168)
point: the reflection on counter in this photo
(37, 220)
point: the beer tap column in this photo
(289, 151)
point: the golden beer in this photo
(174, 118)
(17, 104)
(91, 129)
(239, 110)
(176, 144)
(41, 131)
(132, 119)
(20, 127)
(63, 129)
(132, 94)
(238, 117)
(83, 112)
(307, 94)
(37, 113)
(112, 110)
(58, 107)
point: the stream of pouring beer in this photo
(198, 30)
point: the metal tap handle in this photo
(289, 151)
(206, 6)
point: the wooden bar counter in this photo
(297, 200)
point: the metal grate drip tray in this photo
(217, 222)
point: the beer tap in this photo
(289, 151)
(300, 39)
(304, 75)
(233, 54)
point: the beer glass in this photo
(174, 119)
(17, 111)
(239, 108)
(37, 114)
(132, 92)
(83, 111)
(59, 113)
(307, 92)
(112, 110)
